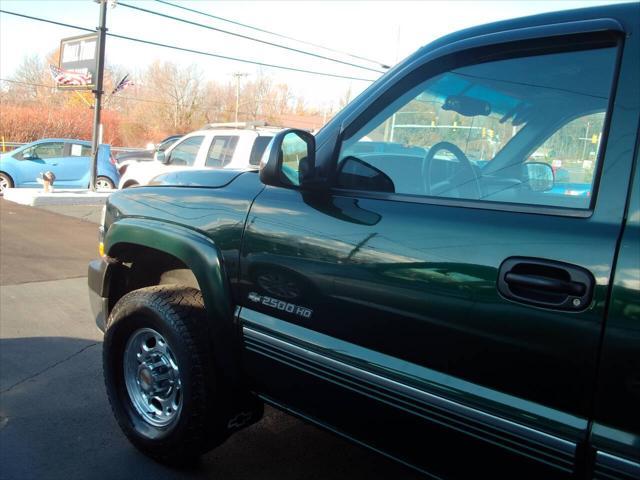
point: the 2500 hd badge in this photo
(280, 305)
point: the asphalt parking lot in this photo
(55, 421)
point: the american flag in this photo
(65, 77)
(124, 83)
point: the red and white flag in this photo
(65, 77)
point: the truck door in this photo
(443, 300)
(615, 434)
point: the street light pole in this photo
(95, 140)
(238, 76)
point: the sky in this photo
(384, 31)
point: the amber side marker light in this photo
(101, 249)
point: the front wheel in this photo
(5, 182)
(160, 375)
(104, 183)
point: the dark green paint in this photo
(406, 289)
(617, 427)
(424, 379)
(215, 213)
(198, 252)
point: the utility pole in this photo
(238, 75)
(95, 140)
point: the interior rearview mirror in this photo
(467, 106)
(289, 158)
(539, 176)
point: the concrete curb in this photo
(35, 197)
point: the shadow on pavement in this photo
(56, 423)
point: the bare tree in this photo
(218, 102)
(31, 73)
(256, 96)
(345, 98)
(180, 91)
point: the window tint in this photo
(572, 152)
(45, 150)
(221, 151)
(186, 152)
(259, 146)
(166, 143)
(468, 133)
(79, 150)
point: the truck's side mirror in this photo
(160, 156)
(289, 158)
(539, 176)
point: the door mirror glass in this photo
(539, 176)
(295, 152)
(160, 156)
(289, 159)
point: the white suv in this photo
(227, 145)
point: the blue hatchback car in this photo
(69, 160)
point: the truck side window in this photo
(221, 151)
(186, 152)
(259, 146)
(572, 152)
(469, 133)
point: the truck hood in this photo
(197, 178)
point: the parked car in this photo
(226, 146)
(123, 160)
(461, 320)
(69, 160)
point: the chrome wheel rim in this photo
(152, 378)
(4, 184)
(103, 184)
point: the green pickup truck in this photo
(447, 273)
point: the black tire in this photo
(106, 182)
(5, 182)
(177, 313)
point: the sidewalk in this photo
(35, 197)
(80, 204)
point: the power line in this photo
(254, 62)
(275, 34)
(48, 21)
(189, 50)
(246, 37)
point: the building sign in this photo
(79, 58)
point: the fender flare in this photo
(200, 254)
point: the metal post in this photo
(238, 76)
(102, 33)
(237, 95)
